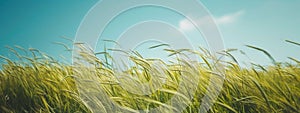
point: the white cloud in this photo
(229, 18)
(186, 25)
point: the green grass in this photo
(39, 83)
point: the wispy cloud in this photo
(229, 18)
(186, 25)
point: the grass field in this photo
(38, 83)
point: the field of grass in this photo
(39, 83)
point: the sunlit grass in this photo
(39, 83)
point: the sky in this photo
(263, 23)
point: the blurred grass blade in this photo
(292, 42)
(156, 46)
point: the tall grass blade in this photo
(264, 51)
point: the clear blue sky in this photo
(263, 23)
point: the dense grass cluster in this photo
(41, 84)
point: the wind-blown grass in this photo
(39, 83)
